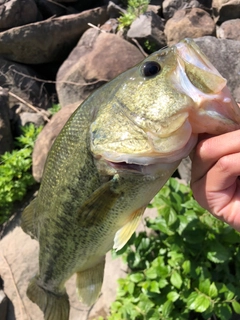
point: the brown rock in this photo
(229, 30)
(191, 23)
(29, 44)
(16, 13)
(224, 10)
(98, 58)
(46, 138)
(6, 140)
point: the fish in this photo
(113, 155)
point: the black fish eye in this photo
(150, 68)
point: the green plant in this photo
(187, 268)
(54, 109)
(15, 174)
(134, 9)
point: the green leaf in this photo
(167, 308)
(200, 303)
(218, 253)
(136, 277)
(154, 287)
(204, 286)
(173, 296)
(176, 279)
(236, 306)
(213, 291)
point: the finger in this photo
(217, 188)
(210, 150)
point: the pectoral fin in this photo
(96, 208)
(89, 283)
(125, 233)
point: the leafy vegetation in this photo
(15, 174)
(54, 109)
(187, 268)
(134, 9)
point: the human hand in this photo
(215, 176)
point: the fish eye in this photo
(150, 68)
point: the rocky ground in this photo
(61, 51)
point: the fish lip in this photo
(146, 164)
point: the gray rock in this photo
(224, 10)
(30, 117)
(29, 44)
(16, 13)
(184, 169)
(225, 56)
(150, 27)
(189, 23)
(46, 138)
(6, 139)
(98, 58)
(229, 30)
(21, 81)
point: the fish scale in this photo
(113, 155)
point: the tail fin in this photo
(54, 307)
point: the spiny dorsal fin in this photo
(124, 234)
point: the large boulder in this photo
(98, 58)
(29, 43)
(189, 23)
(229, 30)
(16, 13)
(225, 56)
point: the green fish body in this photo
(113, 155)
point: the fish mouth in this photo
(216, 111)
(150, 169)
(151, 161)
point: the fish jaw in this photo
(215, 111)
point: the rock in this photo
(226, 9)
(62, 35)
(229, 30)
(3, 305)
(46, 138)
(21, 81)
(184, 169)
(16, 13)
(191, 23)
(93, 62)
(19, 263)
(30, 117)
(6, 139)
(148, 27)
(169, 7)
(225, 56)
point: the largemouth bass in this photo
(113, 155)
